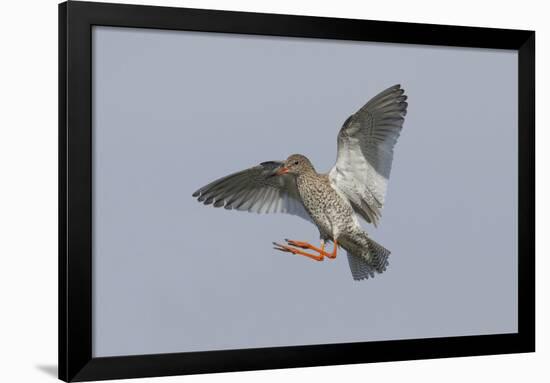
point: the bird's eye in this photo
(295, 162)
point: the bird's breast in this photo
(330, 212)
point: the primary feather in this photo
(255, 190)
(365, 152)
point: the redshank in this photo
(354, 187)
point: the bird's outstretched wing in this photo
(256, 189)
(365, 152)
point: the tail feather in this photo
(360, 269)
(379, 256)
(372, 259)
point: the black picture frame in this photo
(75, 190)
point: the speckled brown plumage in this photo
(331, 213)
(355, 186)
(335, 218)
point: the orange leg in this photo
(305, 245)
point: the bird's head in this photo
(296, 164)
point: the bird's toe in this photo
(303, 245)
(280, 247)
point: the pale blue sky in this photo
(175, 110)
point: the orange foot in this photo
(294, 245)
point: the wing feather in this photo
(365, 151)
(257, 190)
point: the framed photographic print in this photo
(246, 191)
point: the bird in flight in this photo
(354, 187)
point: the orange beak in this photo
(281, 171)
